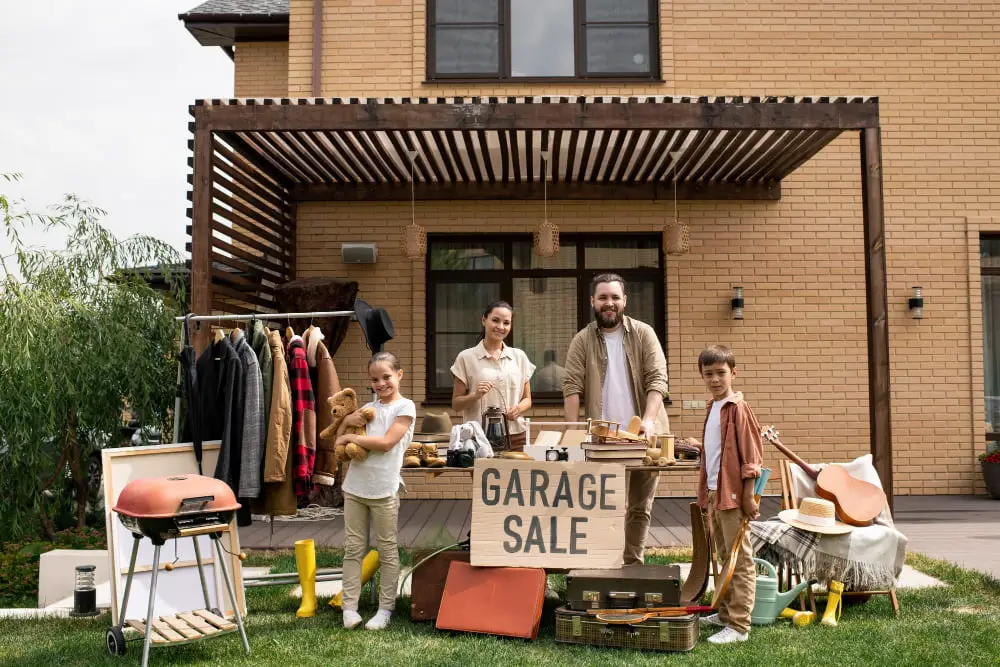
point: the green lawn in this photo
(956, 625)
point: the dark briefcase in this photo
(427, 585)
(628, 587)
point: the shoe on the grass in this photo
(380, 621)
(352, 619)
(712, 620)
(728, 635)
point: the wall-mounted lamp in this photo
(737, 303)
(917, 303)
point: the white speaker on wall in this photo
(358, 253)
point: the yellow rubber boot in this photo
(803, 618)
(788, 612)
(368, 567)
(305, 563)
(834, 603)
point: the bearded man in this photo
(615, 367)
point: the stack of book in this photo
(629, 452)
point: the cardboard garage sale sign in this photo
(548, 514)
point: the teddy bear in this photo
(341, 404)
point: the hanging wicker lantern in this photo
(676, 237)
(414, 241)
(547, 239)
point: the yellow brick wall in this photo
(261, 69)
(802, 347)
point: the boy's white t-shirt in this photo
(713, 443)
(378, 475)
(616, 394)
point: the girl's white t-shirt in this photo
(378, 475)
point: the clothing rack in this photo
(246, 317)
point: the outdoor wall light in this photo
(917, 303)
(737, 303)
(84, 592)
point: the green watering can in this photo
(768, 602)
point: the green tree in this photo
(83, 336)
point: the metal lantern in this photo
(676, 237)
(547, 239)
(496, 429)
(415, 241)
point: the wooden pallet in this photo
(184, 627)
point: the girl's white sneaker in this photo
(352, 619)
(380, 621)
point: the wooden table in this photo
(435, 472)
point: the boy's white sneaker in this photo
(728, 635)
(352, 619)
(380, 621)
(712, 620)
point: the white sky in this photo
(93, 101)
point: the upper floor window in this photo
(548, 39)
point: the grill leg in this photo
(201, 572)
(128, 581)
(152, 603)
(232, 595)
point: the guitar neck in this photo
(794, 457)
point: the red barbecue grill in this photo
(166, 508)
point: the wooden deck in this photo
(961, 529)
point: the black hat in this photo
(375, 325)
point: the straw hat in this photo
(815, 515)
(435, 427)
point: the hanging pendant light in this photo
(676, 234)
(414, 235)
(546, 234)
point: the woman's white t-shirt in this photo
(378, 475)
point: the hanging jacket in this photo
(323, 375)
(254, 429)
(192, 429)
(220, 396)
(303, 417)
(278, 497)
(261, 348)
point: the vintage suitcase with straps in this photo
(670, 633)
(628, 587)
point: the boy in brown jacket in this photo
(730, 463)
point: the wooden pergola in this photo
(255, 159)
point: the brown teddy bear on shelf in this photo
(341, 404)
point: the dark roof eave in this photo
(234, 18)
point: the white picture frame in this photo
(180, 589)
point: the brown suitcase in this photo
(427, 585)
(672, 633)
(504, 601)
(628, 587)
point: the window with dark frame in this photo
(550, 296)
(989, 270)
(555, 39)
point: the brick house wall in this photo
(802, 348)
(261, 69)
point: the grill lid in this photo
(177, 495)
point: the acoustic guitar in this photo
(858, 502)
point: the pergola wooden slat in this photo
(488, 149)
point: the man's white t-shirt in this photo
(378, 475)
(713, 443)
(616, 394)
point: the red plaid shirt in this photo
(303, 417)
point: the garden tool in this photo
(834, 603)
(767, 600)
(305, 563)
(368, 567)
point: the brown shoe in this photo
(429, 456)
(411, 459)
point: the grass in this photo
(955, 625)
